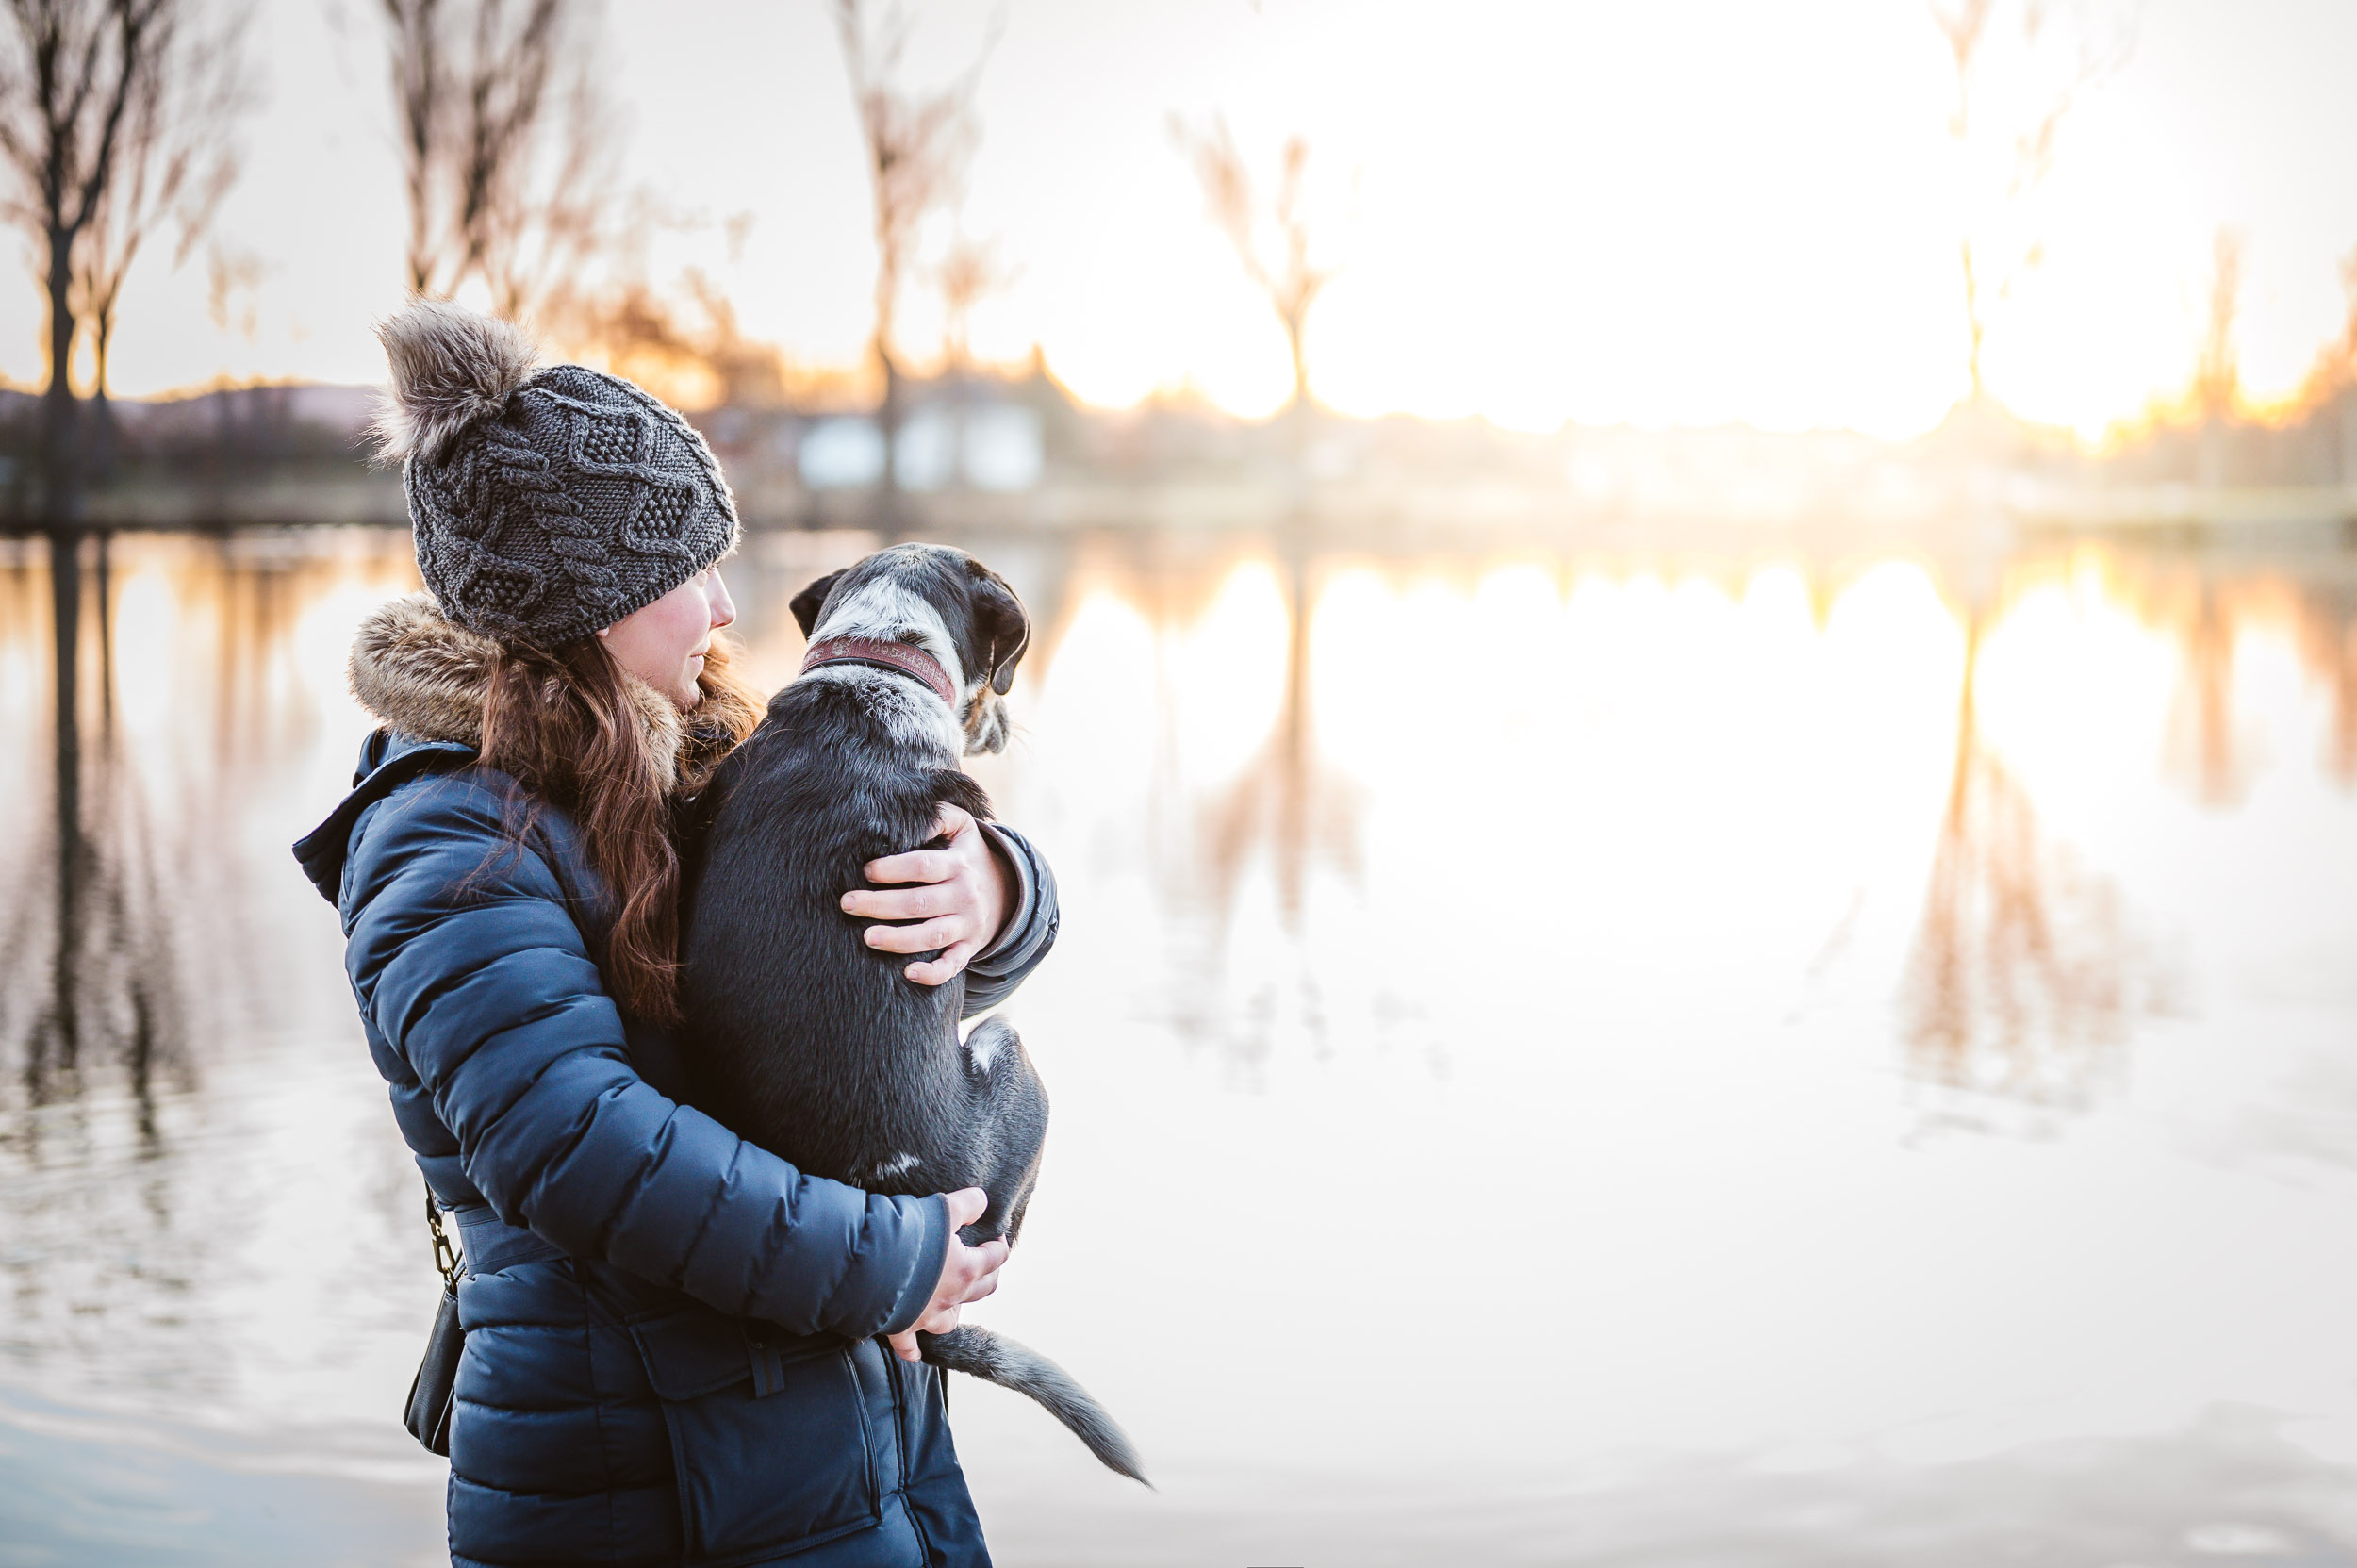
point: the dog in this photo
(812, 1043)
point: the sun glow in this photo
(1662, 215)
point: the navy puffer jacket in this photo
(671, 1352)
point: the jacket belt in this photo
(490, 1243)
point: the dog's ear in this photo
(813, 598)
(1001, 624)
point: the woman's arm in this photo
(986, 900)
(468, 962)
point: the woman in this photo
(675, 1340)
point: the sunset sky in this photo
(1669, 213)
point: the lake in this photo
(1742, 1053)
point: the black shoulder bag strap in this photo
(431, 1393)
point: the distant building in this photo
(988, 444)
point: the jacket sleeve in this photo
(1031, 931)
(467, 958)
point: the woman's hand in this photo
(958, 904)
(968, 1274)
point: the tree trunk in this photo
(1298, 412)
(888, 418)
(65, 598)
(1293, 328)
(1973, 319)
(99, 446)
(61, 478)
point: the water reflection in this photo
(1246, 790)
(108, 924)
(2023, 973)
(2021, 979)
(152, 961)
(1284, 807)
(1283, 802)
(2029, 965)
(1995, 820)
(2207, 751)
(135, 884)
(2328, 629)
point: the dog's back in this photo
(811, 1043)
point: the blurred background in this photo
(1695, 692)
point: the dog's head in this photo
(943, 601)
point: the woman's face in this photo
(663, 644)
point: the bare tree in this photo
(175, 160)
(2336, 367)
(2218, 371)
(2020, 71)
(69, 75)
(918, 143)
(2332, 382)
(1274, 245)
(506, 160)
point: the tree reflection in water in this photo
(2201, 727)
(111, 999)
(167, 975)
(2024, 974)
(142, 880)
(1286, 803)
(2026, 971)
(1287, 810)
(2327, 641)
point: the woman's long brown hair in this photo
(566, 725)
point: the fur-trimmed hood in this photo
(422, 674)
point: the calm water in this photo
(1560, 1057)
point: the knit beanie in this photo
(546, 502)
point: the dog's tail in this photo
(996, 1359)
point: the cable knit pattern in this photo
(579, 499)
(525, 481)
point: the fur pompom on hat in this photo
(546, 502)
(451, 368)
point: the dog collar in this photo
(904, 658)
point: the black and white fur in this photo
(814, 1045)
